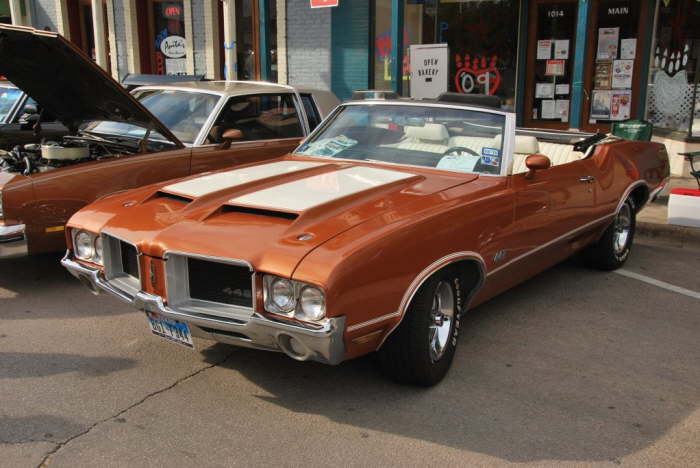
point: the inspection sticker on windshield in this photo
(490, 152)
(171, 330)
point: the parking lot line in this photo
(660, 284)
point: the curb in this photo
(669, 231)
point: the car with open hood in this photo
(383, 228)
(116, 140)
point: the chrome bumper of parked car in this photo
(324, 344)
(13, 241)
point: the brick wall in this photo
(308, 45)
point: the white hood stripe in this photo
(211, 183)
(309, 192)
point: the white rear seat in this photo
(524, 146)
(559, 153)
(431, 137)
(472, 142)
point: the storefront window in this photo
(674, 92)
(616, 63)
(482, 58)
(169, 52)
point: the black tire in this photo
(407, 356)
(610, 252)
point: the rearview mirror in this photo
(536, 162)
(229, 136)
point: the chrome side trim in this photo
(423, 276)
(553, 241)
(357, 326)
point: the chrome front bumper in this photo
(304, 344)
(13, 241)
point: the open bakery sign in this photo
(324, 3)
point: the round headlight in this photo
(84, 247)
(98, 250)
(282, 294)
(313, 303)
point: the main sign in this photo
(324, 3)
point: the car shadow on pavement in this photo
(39, 287)
(547, 371)
(27, 429)
(15, 365)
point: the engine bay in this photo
(33, 158)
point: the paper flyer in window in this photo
(603, 75)
(562, 89)
(562, 109)
(544, 49)
(608, 39)
(628, 49)
(622, 74)
(561, 49)
(555, 68)
(549, 109)
(544, 90)
(175, 66)
(621, 105)
(600, 105)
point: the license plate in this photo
(171, 330)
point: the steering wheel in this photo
(458, 150)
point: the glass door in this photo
(613, 62)
(167, 36)
(549, 63)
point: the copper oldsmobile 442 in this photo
(117, 141)
(387, 224)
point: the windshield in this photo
(458, 140)
(8, 98)
(183, 112)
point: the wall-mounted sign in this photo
(429, 70)
(324, 3)
(173, 47)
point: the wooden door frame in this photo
(256, 38)
(589, 64)
(530, 58)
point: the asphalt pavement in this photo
(572, 368)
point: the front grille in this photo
(121, 261)
(220, 282)
(130, 259)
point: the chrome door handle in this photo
(587, 179)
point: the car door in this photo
(270, 125)
(61, 192)
(552, 211)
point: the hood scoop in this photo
(171, 196)
(287, 215)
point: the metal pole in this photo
(16, 12)
(230, 46)
(577, 87)
(397, 16)
(98, 28)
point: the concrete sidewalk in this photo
(652, 221)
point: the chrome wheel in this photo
(622, 229)
(442, 314)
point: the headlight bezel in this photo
(2, 211)
(93, 239)
(296, 310)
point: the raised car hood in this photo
(68, 83)
(270, 215)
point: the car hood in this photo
(270, 215)
(67, 83)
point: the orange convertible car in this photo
(390, 221)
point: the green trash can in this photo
(639, 130)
